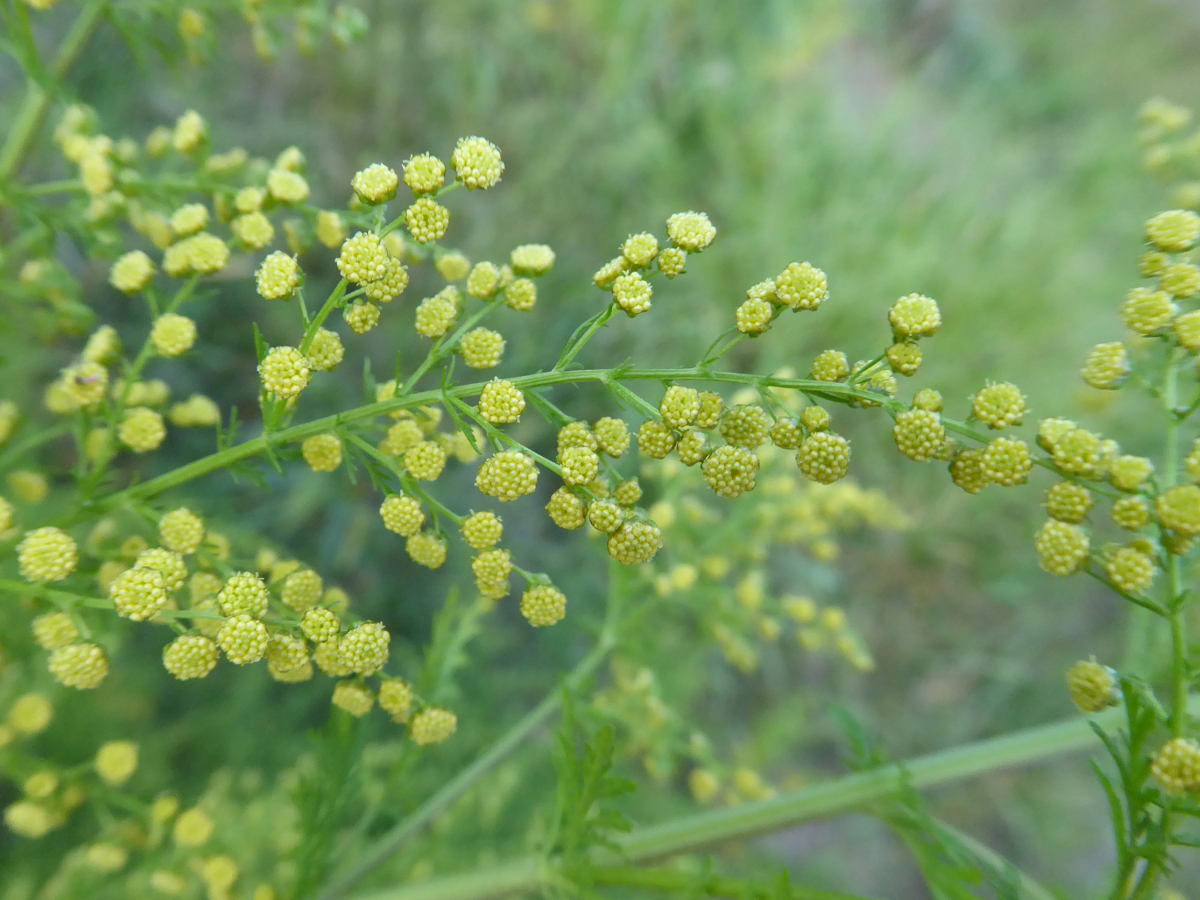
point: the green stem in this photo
(330, 305)
(694, 884)
(247, 449)
(835, 797)
(33, 108)
(579, 340)
(420, 818)
(1175, 598)
(405, 478)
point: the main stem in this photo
(831, 798)
(256, 446)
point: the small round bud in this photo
(1146, 311)
(635, 542)
(824, 457)
(679, 406)
(608, 273)
(403, 515)
(691, 230)
(628, 493)
(477, 163)
(375, 184)
(605, 515)
(507, 475)
(433, 725)
(427, 220)
(287, 187)
(361, 316)
(1175, 230)
(580, 465)
(331, 229)
(1131, 513)
(1181, 279)
(1061, 547)
(1068, 502)
(632, 293)
(190, 656)
(482, 530)
(354, 698)
(167, 563)
(116, 761)
(302, 590)
(815, 418)
(484, 281)
(189, 218)
(131, 272)
(543, 605)
(481, 348)
(1131, 570)
(138, 593)
(284, 372)
(320, 625)
(1093, 687)
(966, 470)
(1129, 473)
(802, 286)
(1178, 509)
(905, 357)
(830, 365)
(47, 554)
(425, 461)
(390, 284)
(928, 399)
(425, 174)
(364, 648)
(436, 315)
(244, 594)
(999, 405)
(915, 316)
(919, 434)
(82, 666)
(396, 698)
(566, 510)
(532, 259)
(655, 439)
(193, 828)
(54, 630)
(326, 351)
(1006, 461)
(731, 471)
(363, 258)
(501, 402)
(754, 316)
(253, 230)
(181, 530)
(671, 262)
(640, 249)
(426, 550)
(693, 447)
(1176, 766)
(746, 425)
(612, 436)
(141, 429)
(322, 452)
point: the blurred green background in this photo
(982, 153)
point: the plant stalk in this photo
(835, 797)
